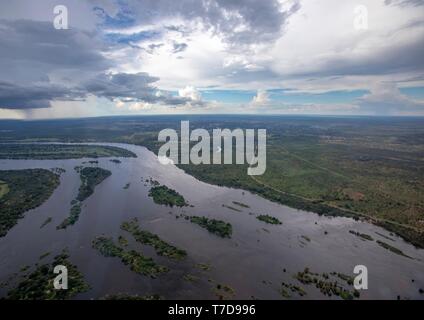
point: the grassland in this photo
(58, 151)
(362, 168)
(27, 189)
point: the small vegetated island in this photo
(385, 245)
(90, 178)
(268, 219)
(328, 283)
(22, 190)
(38, 285)
(363, 236)
(145, 237)
(241, 204)
(218, 227)
(392, 249)
(46, 222)
(167, 196)
(136, 261)
(60, 151)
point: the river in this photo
(254, 262)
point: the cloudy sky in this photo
(121, 57)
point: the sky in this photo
(128, 57)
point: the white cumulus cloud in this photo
(261, 98)
(191, 93)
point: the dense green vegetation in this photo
(286, 287)
(360, 167)
(268, 219)
(218, 227)
(136, 261)
(73, 217)
(123, 242)
(60, 151)
(27, 189)
(145, 237)
(166, 196)
(39, 284)
(90, 178)
(327, 285)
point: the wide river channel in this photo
(253, 262)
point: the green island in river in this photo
(145, 237)
(136, 261)
(218, 227)
(90, 178)
(328, 286)
(38, 285)
(60, 151)
(268, 219)
(22, 190)
(167, 196)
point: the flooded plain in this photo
(254, 262)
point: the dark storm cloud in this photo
(40, 64)
(32, 49)
(122, 86)
(33, 52)
(131, 87)
(14, 96)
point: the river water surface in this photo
(254, 262)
